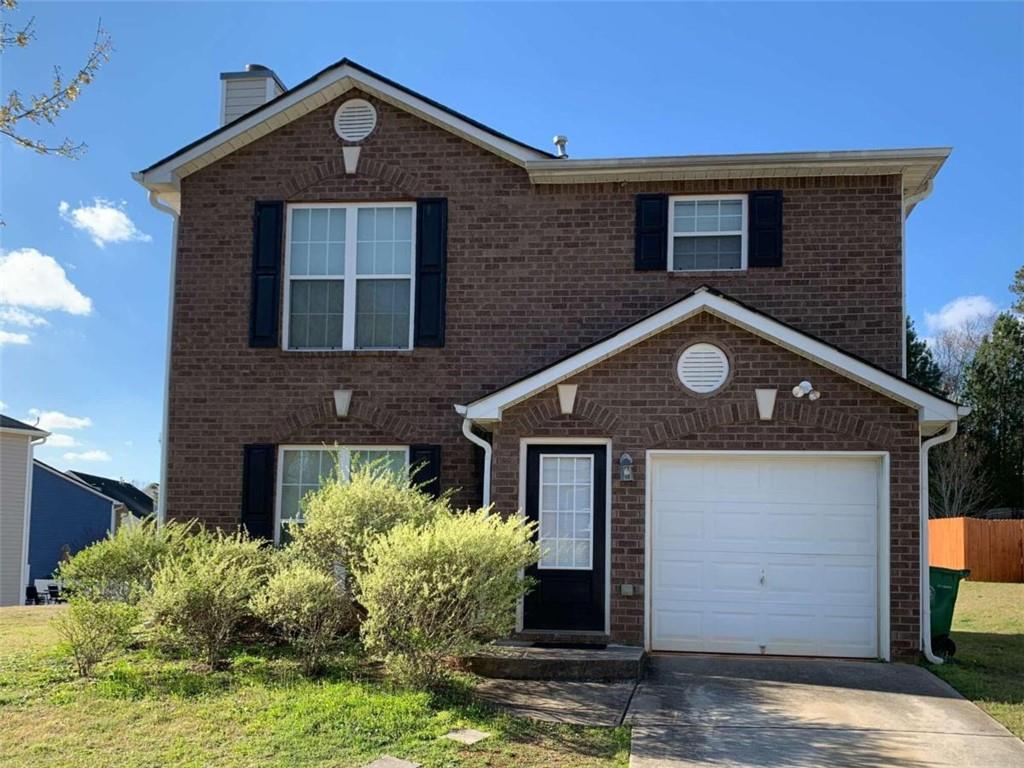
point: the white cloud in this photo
(959, 311)
(16, 316)
(104, 221)
(61, 441)
(51, 420)
(94, 455)
(32, 279)
(3, 405)
(6, 337)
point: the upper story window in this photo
(349, 276)
(707, 232)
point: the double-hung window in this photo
(349, 276)
(707, 232)
(303, 468)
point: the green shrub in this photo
(121, 566)
(201, 596)
(308, 607)
(343, 517)
(437, 591)
(95, 630)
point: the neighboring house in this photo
(67, 516)
(135, 501)
(615, 346)
(17, 442)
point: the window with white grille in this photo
(703, 368)
(707, 233)
(566, 511)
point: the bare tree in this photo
(18, 112)
(954, 348)
(958, 485)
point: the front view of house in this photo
(688, 370)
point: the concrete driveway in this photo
(713, 711)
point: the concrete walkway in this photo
(721, 712)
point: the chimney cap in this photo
(254, 70)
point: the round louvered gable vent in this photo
(355, 120)
(703, 368)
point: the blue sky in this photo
(617, 79)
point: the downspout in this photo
(467, 430)
(926, 610)
(161, 504)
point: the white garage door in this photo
(765, 554)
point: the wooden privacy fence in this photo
(993, 550)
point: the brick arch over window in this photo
(305, 419)
(546, 410)
(804, 414)
(407, 183)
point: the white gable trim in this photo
(165, 176)
(931, 409)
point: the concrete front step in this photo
(519, 660)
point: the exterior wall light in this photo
(805, 388)
(626, 468)
(342, 400)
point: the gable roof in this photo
(69, 478)
(934, 411)
(138, 503)
(314, 92)
(7, 424)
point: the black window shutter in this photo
(425, 461)
(651, 232)
(764, 248)
(258, 482)
(431, 269)
(264, 312)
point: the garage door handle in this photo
(763, 579)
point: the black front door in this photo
(566, 496)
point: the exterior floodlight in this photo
(813, 395)
(803, 388)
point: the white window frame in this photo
(344, 462)
(540, 510)
(348, 332)
(672, 234)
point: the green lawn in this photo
(145, 711)
(988, 628)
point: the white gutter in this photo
(467, 430)
(161, 504)
(926, 608)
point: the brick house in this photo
(688, 369)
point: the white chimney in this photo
(242, 92)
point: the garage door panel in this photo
(772, 554)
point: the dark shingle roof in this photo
(6, 422)
(138, 503)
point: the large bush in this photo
(94, 630)
(436, 591)
(121, 566)
(343, 517)
(308, 607)
(201, 596)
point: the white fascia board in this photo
(310, 97)
(30, 432)
(930, 408)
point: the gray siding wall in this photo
(244, 94)
(14, 458)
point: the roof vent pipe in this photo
(560, 142)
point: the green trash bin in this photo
(944, 585)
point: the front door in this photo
(566, 496)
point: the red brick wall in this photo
(635, 399)
(534, 273)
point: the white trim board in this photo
(166, 175)
(607, 443)
(883, 544)
(932, 410)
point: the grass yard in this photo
(988, 628)
(144, 711)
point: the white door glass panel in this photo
(566, 511)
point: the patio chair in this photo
(54, 592)
(32, 596)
